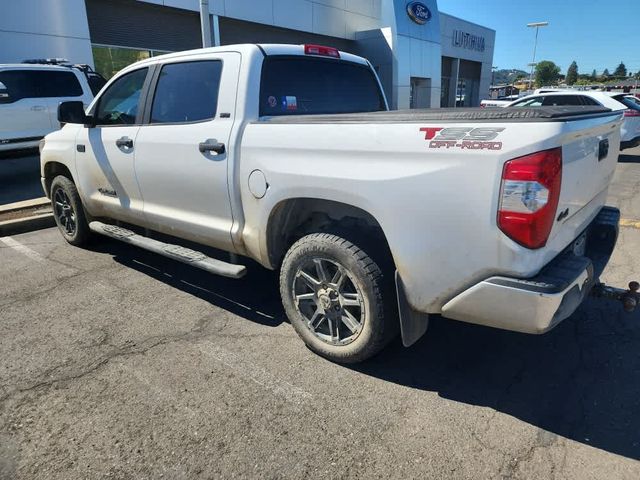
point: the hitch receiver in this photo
(629, 298)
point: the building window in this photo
(109, 60)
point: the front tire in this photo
(68, 211)
(334, 295)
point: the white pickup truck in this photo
(376, 219)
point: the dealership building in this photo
(424, 58)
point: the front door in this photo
(182, 152)
(105, 153)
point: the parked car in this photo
(631, 118)
(630, 129)
(375, 219)
(30, 94)
(498, 102)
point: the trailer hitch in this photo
(629, 298)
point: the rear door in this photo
(60, 86)
(182, 150)
(105, 153)
(24, 113)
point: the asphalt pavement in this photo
(20, 176)
(117, 363)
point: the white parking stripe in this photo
(255, 373)
(23, 249)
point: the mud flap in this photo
(412, 324)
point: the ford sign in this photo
(418, 12)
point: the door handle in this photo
(124, 142)
(212, 146)
(37, 108)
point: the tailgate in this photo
(590, 149)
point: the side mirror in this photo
(73, 112)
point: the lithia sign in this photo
(418, 12)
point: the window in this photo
(110, 60)
(187, 92)
(31, 83)
(119, 104)
(562, 100)
(529, 102)
(96, 82)
(589, 101)
(302, 85)
(58, 84)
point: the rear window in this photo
(21, 84)
(562, 100)
(305, 86)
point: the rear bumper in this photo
(535, 305)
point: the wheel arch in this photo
(51, 170)
(293, 218)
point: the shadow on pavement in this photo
(626, 158)
(580, 381)
(255, 297)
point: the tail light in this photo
(321, 50)
(529, 197)
(629, 112)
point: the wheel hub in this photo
(329, 301)
(64, 212)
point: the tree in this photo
(594, 75)
(572, 73)
(547, 73)
(606, 73)
(620, 71)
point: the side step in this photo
(176, 252)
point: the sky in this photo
(596, 34)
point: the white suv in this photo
(29, 99)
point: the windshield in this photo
(631, 102)
(296, 85)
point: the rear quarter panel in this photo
(437, 206)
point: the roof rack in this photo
(48, 61)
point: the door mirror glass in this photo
(72, 112)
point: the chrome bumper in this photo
(537, 304)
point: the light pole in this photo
(537, 26)
(205, 26)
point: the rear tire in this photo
(333, 293)
(69, 212)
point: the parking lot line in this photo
(23, 249)
(627, 222)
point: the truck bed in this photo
(502, 115)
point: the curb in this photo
(27, 224)
(34, 203)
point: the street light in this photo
(537, 26)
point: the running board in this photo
(176, 252)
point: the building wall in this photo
(449, 24)
(403, 52)
(44, 29)
(416, 51)
(336, 18)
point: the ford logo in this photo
(418, 12)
